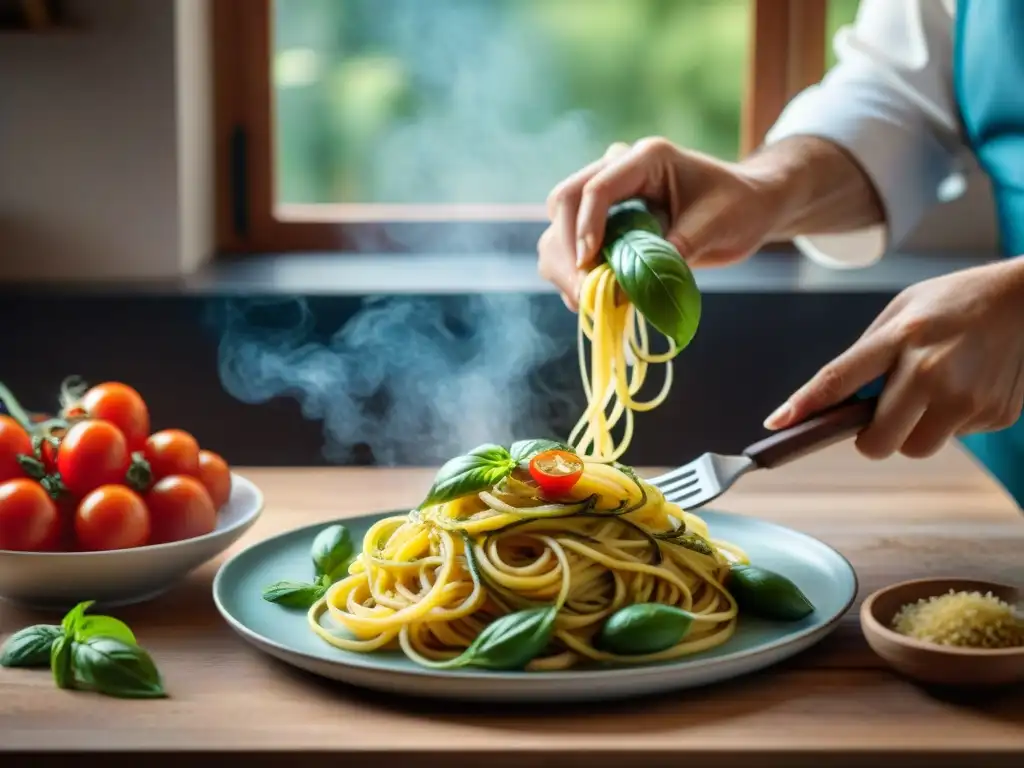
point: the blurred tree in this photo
(449, 101)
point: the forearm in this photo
(816, 186)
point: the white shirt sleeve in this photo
(889, 102)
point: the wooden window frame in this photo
(787, 54)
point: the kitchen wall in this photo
(104, 160)
(104, 168)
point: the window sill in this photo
(373, 274)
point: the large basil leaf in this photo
(524, 450)
(475, 471)
(658, 283)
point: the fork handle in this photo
(819, 431)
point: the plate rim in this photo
(250, 517)
(607, 674)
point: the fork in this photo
(709, 476)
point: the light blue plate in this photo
(824, 575)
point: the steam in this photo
(414, 380)
(422, 379)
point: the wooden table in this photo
(894, 520)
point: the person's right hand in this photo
(718, 213)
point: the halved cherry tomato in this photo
(92, 453)
(556, 472)
(14, 440)
(179, 508)
(123, 407)
(29, 521)
(112, 517)
(215, 475)
(172, 452)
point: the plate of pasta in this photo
(532, 574)
(549, 571)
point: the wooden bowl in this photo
(938, 664)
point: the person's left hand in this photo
(952, 350)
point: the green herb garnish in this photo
(87, 652)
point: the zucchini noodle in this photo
(610, 324)
(427, 583)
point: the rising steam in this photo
(416, 380)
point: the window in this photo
(405, 125)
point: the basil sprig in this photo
(651, 272)
(484, 467)
(87, 652)
(475, 471)
(332, 554)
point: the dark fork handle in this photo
(817, 432)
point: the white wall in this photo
(105, 167)
(99, 167)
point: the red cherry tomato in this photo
(556, 472)
(180, 508)
(29, 521)
(123, 407)
(215, 475)
(14, 440)
(112, 517)
(92, 453)
(172, 452)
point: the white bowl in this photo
(59, 580)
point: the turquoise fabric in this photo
(988, 78)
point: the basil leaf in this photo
(331, 549)
(513, 641)
(60, 661)
(294, 594)
(105, 626)
(644, 628)
(659, 284)
(74, 616)
(30, 647)
(767, 594)
(477, 470)
(106, 665)
(524, 450)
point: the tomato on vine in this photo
(14, 442)
(215, 475)
(172, 452)
(123, 407)
(112, 517)
(92, 453)
(29, 520)
(179, 508)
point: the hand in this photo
(718, 212)
(953, 351)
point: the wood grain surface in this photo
(894, 520)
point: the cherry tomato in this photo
(29, 521)
(180, 508)
(92, 453)
(112, 517)
(172, 452)
(14, 440)
(123, 407)
(215, 475)
(556, 472)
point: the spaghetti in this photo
(431, 581)
(611, 324)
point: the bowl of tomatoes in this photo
(95, 506)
